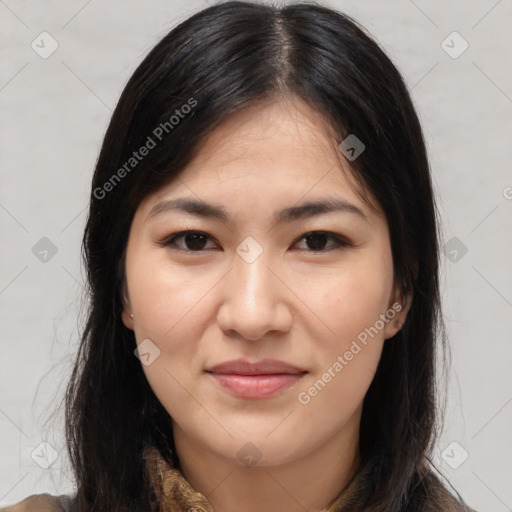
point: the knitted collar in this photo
(175, 494)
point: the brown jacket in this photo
(175, 493)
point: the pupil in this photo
(315, 238)
(196, 243)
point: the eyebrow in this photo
(289, 214)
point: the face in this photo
(259, 277)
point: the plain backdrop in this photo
(54, 111)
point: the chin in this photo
(258, 450)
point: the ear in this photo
(400, 305)
(127, 319)
(127, 312)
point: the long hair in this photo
(217, 62)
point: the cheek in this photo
(166, 300)
(169, 309)
(350, 304)
(352, 299)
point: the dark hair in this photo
(219, 61)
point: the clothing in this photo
(41, 503)
(175, 494)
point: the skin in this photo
(293, 303)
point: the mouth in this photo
(255, 380)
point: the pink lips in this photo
(255, 380)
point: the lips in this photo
(261, 379)
(263, 367)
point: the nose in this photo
(256, 301)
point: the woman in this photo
(262, 256)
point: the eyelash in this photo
(169, 241)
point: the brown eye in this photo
(191, 241)
(194, 241)
(317, 241)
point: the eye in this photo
(196, 241)
(318, 239)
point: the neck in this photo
(311, 482)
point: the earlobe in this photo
(127, 315)
(400, 306)
(127, 318)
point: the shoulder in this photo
(41, 503)
(431, 494)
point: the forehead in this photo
(280, 148)
(285, 134)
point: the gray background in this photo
(54, 112)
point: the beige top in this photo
(176, 494)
